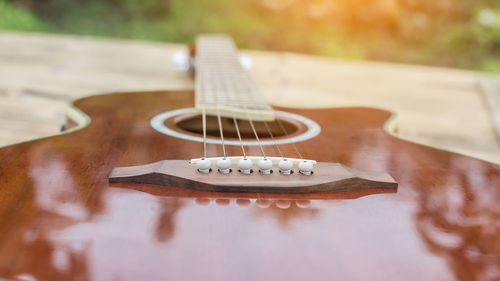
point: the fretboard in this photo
(223, 87)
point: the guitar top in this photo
(156, 187)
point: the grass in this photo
(465, 35)
(14, 18)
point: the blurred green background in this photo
(454, 33)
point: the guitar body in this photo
(60, 218)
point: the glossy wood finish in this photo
(60, 219)
(326, 177)
(40, 75)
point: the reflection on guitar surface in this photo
(61, 218)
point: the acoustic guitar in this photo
(217, 184)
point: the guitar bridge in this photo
(179, 173)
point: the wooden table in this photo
(40, 74)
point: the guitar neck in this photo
(222, 86)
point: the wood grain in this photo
(60, 219)
(490, 88)
(41, 73)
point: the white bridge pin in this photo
(285, 166)
(224, 165)
(245, 166)
(265, 166)
(203, 165)
(305, 167)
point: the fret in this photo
(222, 86)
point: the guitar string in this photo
(221, 134)
(223, 84)
(204, 122)
(272, 138)
(239, 137)
(287, 135)
(229, 89)
(239, 134)
(239, 87)
(256, 135)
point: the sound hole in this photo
(193, 124)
